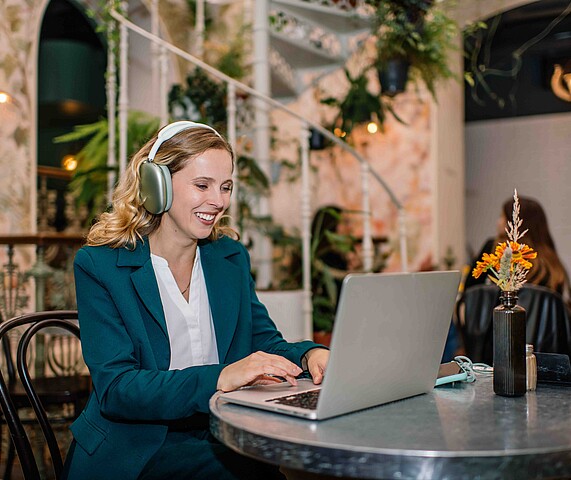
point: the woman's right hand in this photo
(257, 368)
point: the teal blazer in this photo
(126, 348)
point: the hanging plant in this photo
(413, 40)
(417, 33)
(358, 106)
(393, 76)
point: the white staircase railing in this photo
(312, 38)
(233, 86)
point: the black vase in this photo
(393, 77)
(509, 347)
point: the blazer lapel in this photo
(144, 280)
(223, 284)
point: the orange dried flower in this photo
(508, 273)
(488, 261)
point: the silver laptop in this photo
(387, 343)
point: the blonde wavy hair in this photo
(128, 221)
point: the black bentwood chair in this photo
(38, 392)
(548, 320)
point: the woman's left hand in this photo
(317, 359)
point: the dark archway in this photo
(71, 91)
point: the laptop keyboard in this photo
(307, 400)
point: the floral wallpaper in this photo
(18, 20)
(18, 31)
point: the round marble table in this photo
(463, 431)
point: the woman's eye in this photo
(201, 186)
(226, 188)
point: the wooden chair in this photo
(39, 393)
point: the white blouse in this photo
(189, 324)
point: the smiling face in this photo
(201, 195)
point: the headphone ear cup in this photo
(156, 187)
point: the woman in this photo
(168, 315)
(548, 270)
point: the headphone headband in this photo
(171, 130)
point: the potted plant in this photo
(328, 259)
(89, 182)
(413, 39)
(412, 42)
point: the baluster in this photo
(199, 28)
(123, 90)
(367, 231)
(41, 271)
(155, 52)
(111, 86)
(164, 108)
(71, 211)
(231, 95)
(306, 230)
(43, 204)
(13, 299)
(263, 246)
(403, 239)
(9, 287)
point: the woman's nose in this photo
(216, 198)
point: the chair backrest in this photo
(548, 319)
(548, 325)
(32, 323)
(474, 312)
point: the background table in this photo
(464, 431)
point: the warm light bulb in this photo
(372, 127)
(69, 163)
(4, 97)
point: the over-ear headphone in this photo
(155, 180)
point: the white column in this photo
(111, 108)
(263, 247)
(447, 158)
(123, 90)
(306, 230)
